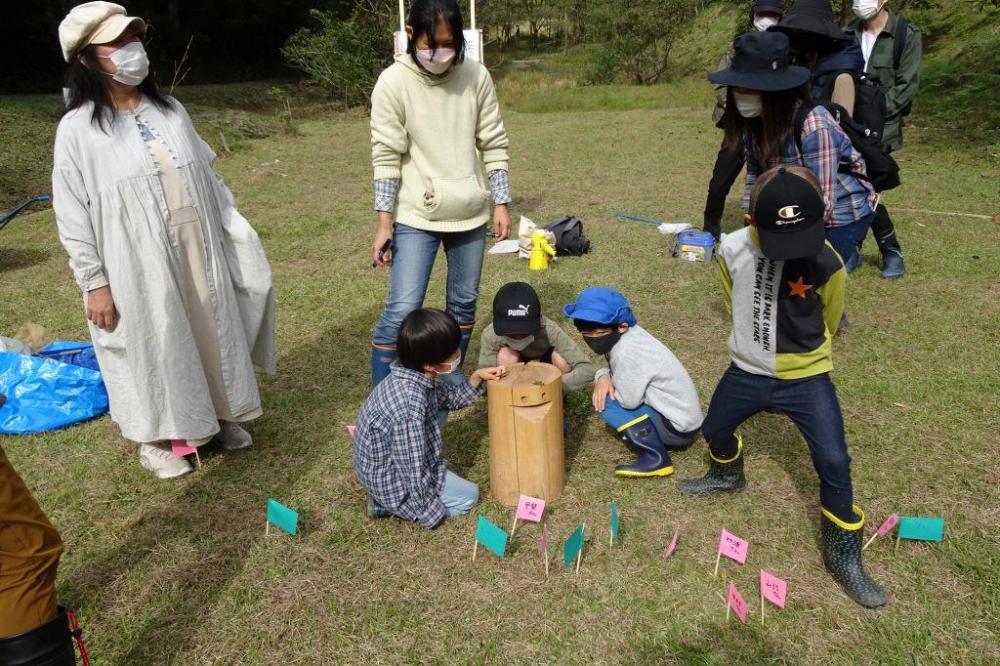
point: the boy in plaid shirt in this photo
(397, 444)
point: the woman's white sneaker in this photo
(159, 459)
(231, 436)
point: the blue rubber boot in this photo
(892, 264)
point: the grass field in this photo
(180, 572)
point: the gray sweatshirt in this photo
(643, 370)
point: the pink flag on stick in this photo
(773, 588)
(733, 547)
(530, 509)
(889, 523)
(737, 603)
(673, 542)
(181, 449)
(350, 431)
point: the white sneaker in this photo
(159, 459)
(232, 436)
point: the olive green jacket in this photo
(549, 337)
(900, 86)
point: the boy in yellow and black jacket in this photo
(785, 289)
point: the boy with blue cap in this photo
(645, 393)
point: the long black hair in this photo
(425, 14)
(87, 82)
(768, 132)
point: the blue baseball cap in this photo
(601, 305)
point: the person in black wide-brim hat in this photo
(768, 92)
(729, 164)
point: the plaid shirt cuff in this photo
(500, 185)
(386, 190)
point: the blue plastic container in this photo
(695, 246)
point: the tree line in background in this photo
(342, 45)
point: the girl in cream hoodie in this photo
(439, 151)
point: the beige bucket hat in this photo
(94, 23)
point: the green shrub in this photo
(344, 56)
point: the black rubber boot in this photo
(652, 458)
(723, 476)
(842, 557)
(48, 645)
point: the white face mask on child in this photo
(518, 345)
(762, 23)
(749, 105)
(453, 365)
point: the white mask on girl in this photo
(518, 345)
(749, 105)
(762, 23)
(131, 62)
(436, 62)
(866, 9)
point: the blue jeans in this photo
(458, 495)
(812, 405)
(618, 417)
(413, 254)
(847, 239)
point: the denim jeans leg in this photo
(464, 252)
(413, 253)
(846, 239)
(812, 405)
(738, 396)
(458, 495)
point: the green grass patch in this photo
(180, 572)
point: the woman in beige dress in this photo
(176, 285)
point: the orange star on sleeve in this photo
(798, 288)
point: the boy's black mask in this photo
(603, 343)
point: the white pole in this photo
(402, 17)
(473, 3)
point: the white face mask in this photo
(762, 23)
(518, 345)
(436, 62)
(131, 62)
(749, 105)
(866, 9)
(452, 366)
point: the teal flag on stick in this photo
(572, 546)
(281, 516)
(921, 529)
(614, 523)
(491, 537)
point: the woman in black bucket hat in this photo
(771, 97)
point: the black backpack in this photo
(869, 101)
(570, 239)
(882, 169)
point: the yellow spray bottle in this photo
(540, 252)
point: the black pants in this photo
(727, 168)
(884, 232)
(811, 403)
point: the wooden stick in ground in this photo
(514, 526)
(895, 550)
(762, 607)
(727, 610)
(869, 542)
(579, 556)
(267, 528)
(718, 557)
(197, 459)
(475, 548)
(546, 566)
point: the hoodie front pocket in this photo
(454, 199)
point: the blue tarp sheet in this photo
(45, 394)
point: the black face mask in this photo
(602, 344)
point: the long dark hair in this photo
(87, 82)
(425, 14)
(767, 133)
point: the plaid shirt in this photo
(825, 147)
(386, 190)
(397, 444)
